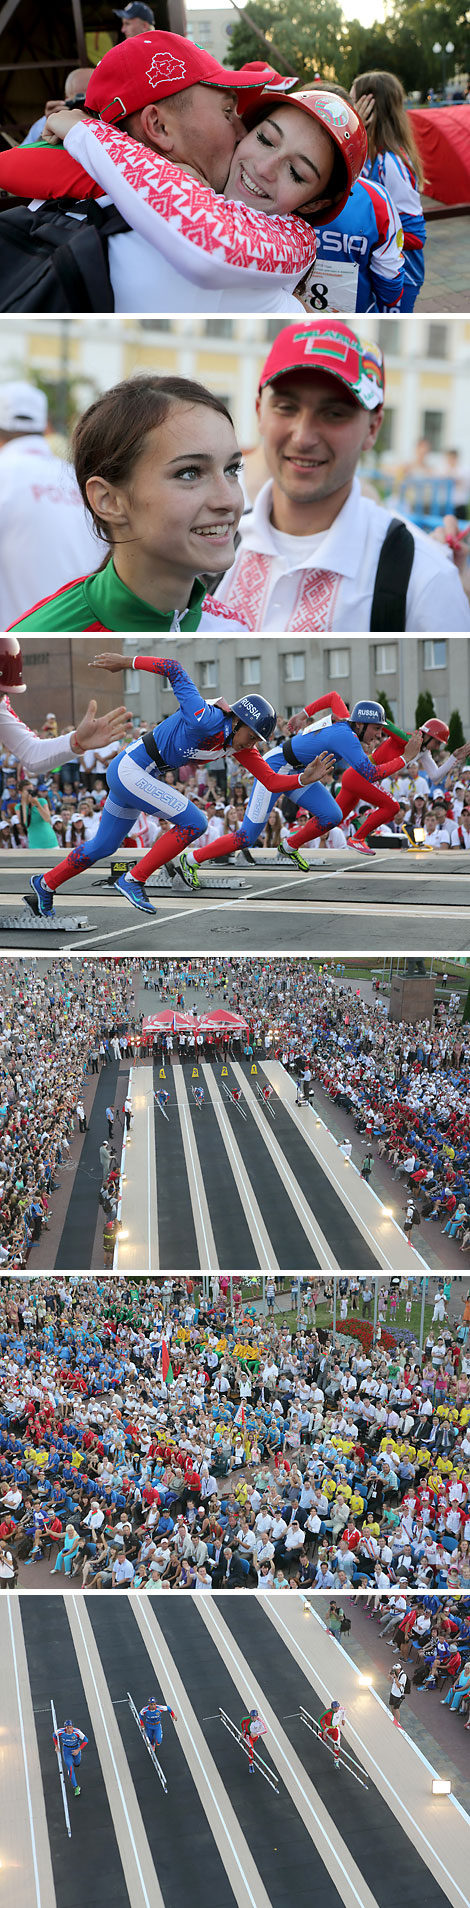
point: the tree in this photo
(456, 734)
(383, 698)
(466, 1011)
(308, 39)
(424, 708)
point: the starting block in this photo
(165, 878)
(259, 1763)
(345, 1759)
(232, 1096)
(148, 1745)
(31, 923)
(266, 1103)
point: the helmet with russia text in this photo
(255, 713)
(368, 712)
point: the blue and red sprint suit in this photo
(353, 790)
(394, 171)
(339, 740)
(71, 1742)
(197, 732)
(364, 249)
(151, 1721)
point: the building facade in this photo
(427, 366)
(291, 670)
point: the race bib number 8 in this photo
(329, 286)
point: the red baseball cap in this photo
(155, 66)
(338, 118)
(329, 346)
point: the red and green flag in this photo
(167, 1373)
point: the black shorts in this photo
(394, 1702)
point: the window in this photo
(294, 666)
(208, 675)
(250, 671)
(37, 656)
(437, 340)
(338, 663)
(388, 337)
(219, 327)
(435, 654)
(293, 708)
(385, 659)
(131, 683)
(433, 429)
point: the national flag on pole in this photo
(167, 1373)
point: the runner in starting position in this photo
(71, 1741)
(331, 1724)
(150, 1719)
(199, 731)
(251, 1727)
(344, 740)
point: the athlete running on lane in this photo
(383, 806)
(198, 732)
(303, 748)
(331, 1723)
(71, 1741)
(251, 1727)
(150, 1718)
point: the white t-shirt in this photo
(331, 585)
(45, 536)
(189, 249)
(33, 751)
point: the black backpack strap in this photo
(394, 568)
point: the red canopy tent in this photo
(442, 135)
(169, 1021)
(221, 1021)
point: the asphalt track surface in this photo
(280, 1205)
(398, 901)
(188, 1855)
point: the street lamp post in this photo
(447, 49)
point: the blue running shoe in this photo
(45, 899)
(135, 892)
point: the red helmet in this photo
(337, 116)
(438, 730)
(11, 665)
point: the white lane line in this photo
(25, 1763)
(148, 1902)
(242, 1181)
(329, 1173)
(209, 907)
(345, 1197)
(296, 1195)
(149, 1192)
(225, 1648)
(166, 1678)
(183, 1113)
(367, 1752)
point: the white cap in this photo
(23, 407)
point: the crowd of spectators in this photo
(153, 1436)
(56, 1025)
(431, 1637)
(64, 808)
(406, 1087)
